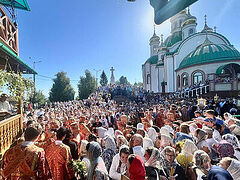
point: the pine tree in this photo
(123, 80)
(86, 85)
(61, 89)
(103, 79)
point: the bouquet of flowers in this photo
(79, 168)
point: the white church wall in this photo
(143, 76)
(170, 74)
(160, 78)
(154, 78)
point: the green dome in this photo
(173, 39)
(152, 60)
(208, 53)
(189, 20)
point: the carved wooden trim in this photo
(8, 32)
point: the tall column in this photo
(112, 81)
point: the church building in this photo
(189, 59)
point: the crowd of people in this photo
(171, 139)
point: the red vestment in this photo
(160, 119)
(25, 163)
(59, 158)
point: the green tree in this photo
(138, 84)
(39, 98)
(103, 79)
(86, 85)
(61, 89)
(123, 80)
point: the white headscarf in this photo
(164, 131)
(140, 126)
(234, 169)
(152, 134)
(189, 147)
(109, 132)
(166, 140)
(147, 142)
(236, 129)
(153, 161)
(101, 132)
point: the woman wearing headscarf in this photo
(153, 168)
(232, 139)
(121, 140)
(97, 169)
(201, 142)
(184, 133)
(232, 166)
(165, 141)
(202, 164)
(171, 167)
(109, 151)
(101, 132)
(136, 167)
(186, 156)
(83, 153)
(119, 163)
(147, 142)
(152, 134)
(225, 149)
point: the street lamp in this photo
(34, 75)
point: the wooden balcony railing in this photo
(10, 129)
(8, 32)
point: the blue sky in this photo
(75, 35)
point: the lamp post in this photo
(34, 75)
(97, 76)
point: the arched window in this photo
(178, 81)
(185, 80)
(190, 31)
(197, 77)
(148, 79)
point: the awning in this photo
(220, 70)
(225, 68)
(24, 67)
(19, 4)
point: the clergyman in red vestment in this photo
(59, 157)
(25, 160)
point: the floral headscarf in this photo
(199, 158)
(121, 140)
(234, 169)
(225, 149)
(153, 161)
(94, 152)
(110, 144)
(232, 139)
(165, 162)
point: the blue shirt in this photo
(218, 173)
